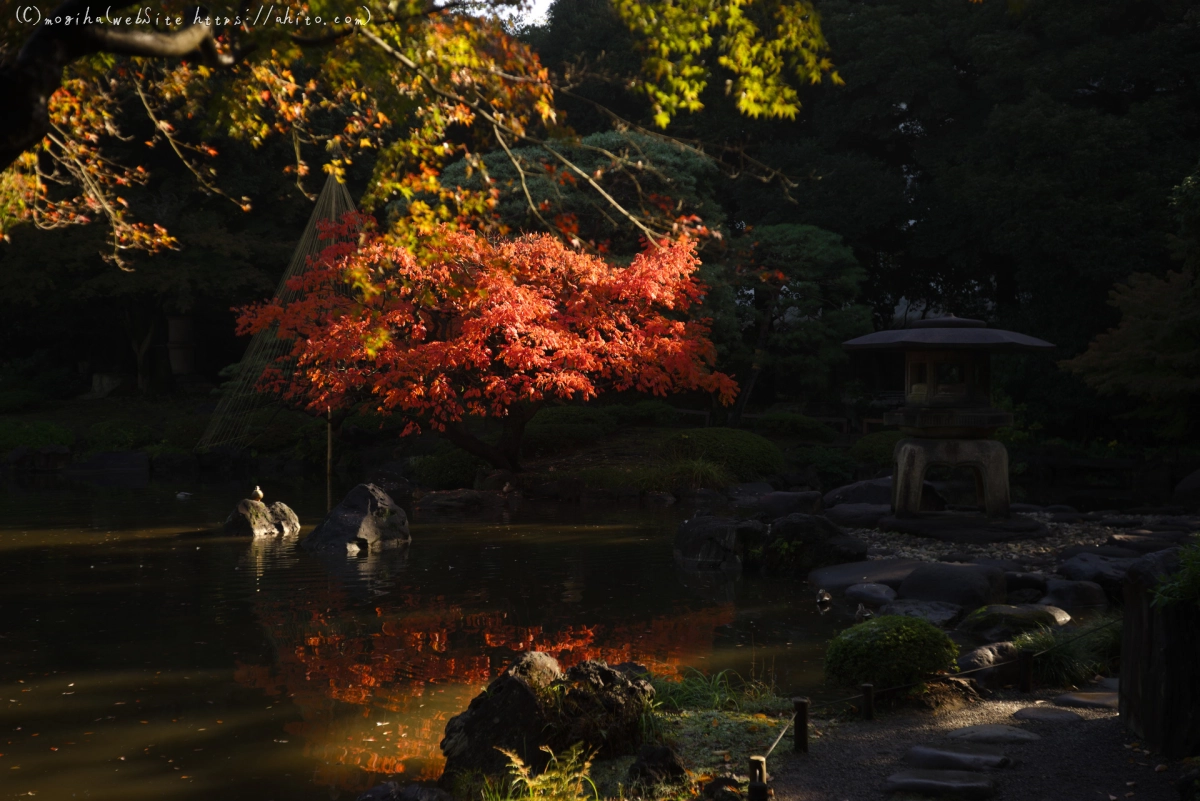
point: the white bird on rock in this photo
(823, 597)
(257, 494)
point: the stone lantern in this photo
(948, 417)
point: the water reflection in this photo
(204, 666)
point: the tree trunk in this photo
(505, 454)
(141, 347)
(756, 366)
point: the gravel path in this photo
(1077, 761)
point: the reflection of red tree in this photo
(423, 661)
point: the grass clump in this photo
(1183, 585)
(746, 455)
(876, 448)
(1065, 658)
(889, 651)
(564, 779)
(789, 424)
(726, 690)
(38, 434)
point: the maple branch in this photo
(28, 82)
(521, 172)
(164, 129)
(482, 111)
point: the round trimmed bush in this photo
(889, 651)
(834, 467)
(876, 448)
(748, 456)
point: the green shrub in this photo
(447, 467)
(788, 424)
(15, 434)
(13, 401)
(748, 456)
(556, 428)
(183, 433)
(662, 477)
(889, 651)
(1184, 584)
(876, 448)
(119, 435)
(645, 413)
(834, 467)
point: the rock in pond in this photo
(367, 519)
(970, 586)
(799, 543)
(936, 612)
(999, 622)
(533, 703)
(254, 518)
(708, 543)
(393, 791)
(870, 594)
(836, 578)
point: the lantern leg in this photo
(908, 478)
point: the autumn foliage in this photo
(486, 327)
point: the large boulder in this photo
(534, 704)
(799, 543)
(879, 491)
(1106, 571)
(367, 519)
(871, 595)
(1002, 622)
(778, 504)
(969, 586)
(1075, 597)
(858, 515)
(992, 665)
(255, 519)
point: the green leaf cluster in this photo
(747, 455)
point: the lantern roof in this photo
(948, 333)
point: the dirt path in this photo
(1077, 761)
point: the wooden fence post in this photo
(800, 726)
(758, 779)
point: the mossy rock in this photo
(889, 651)
(1003, 622)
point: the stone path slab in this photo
(996, 733)
(1089, 700)
(1047, 714)
(958, 783)
(961, 756)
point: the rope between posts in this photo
(828, 704)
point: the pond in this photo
(143, 658)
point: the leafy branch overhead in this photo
(407, 86)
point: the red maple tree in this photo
(485, 327)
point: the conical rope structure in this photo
(230, 426)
